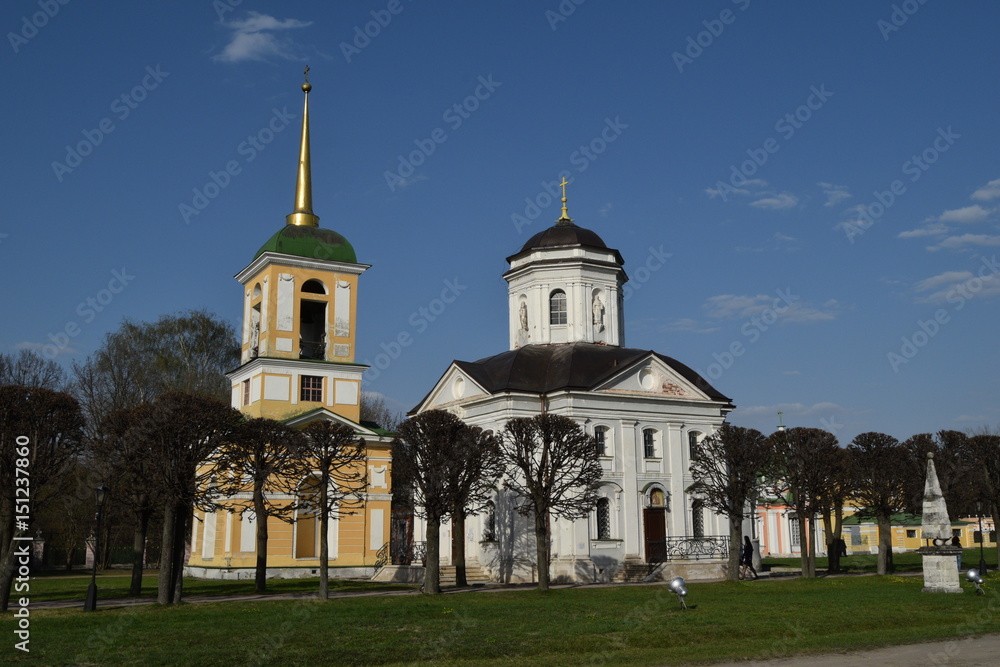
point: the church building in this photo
(647, 412)
(300, 295)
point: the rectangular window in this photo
(649, 443)
(911, 533)
(793, 528)
(603, 519)
(977, 537)
(312, 388)
(557, 307)
(601, 436)
(697, 519)
(692, 444)
(246, 392)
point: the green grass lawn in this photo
(113, 586)
(630, 625)
(909, 561)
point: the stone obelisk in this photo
(940, 558)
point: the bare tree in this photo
(264, 457)
(953, 463)
(879, 470)
(184, 432)
(336, 457)
(802, 459)
(40, 440)
(477, 466)
(553, 465)
(375, 410)
(729, 468)
(424, 452)
(984, 448)
(833, 493)
(28, 369)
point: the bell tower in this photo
(299, 313)
(565, 286)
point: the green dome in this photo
(311, 243)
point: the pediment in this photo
(651, 376)
(323, 414)
(454, 386)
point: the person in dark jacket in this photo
(746, 559)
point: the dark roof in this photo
(541, 369)
(563, 233)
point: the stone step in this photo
(473, 575)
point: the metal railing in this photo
(400, 552)
(693, 548)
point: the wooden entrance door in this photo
(654, 523)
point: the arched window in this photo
(603, 519)
(649, 443)
(557, 307)
(693, 443)
(490, 524)
(313, 287)
(697, 518)
(601, 436)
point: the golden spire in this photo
(303, 214)
(565, 212)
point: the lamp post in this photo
(982, 538)
(90, 604)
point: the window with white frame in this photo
(793, 528)
(601, 436)
(649, 443)
(697, 518)
(557, 307)
(603, 519)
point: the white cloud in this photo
(989, 192)
(974, 213)
(955, 242)
(776, 202)
(255, 38)
(946, 278)
(713, 192)
(732, 306)
(834, 193)
(929, 230)
(45, 349)
(604, 210)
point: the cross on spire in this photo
(565, 212)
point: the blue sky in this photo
(806, 194)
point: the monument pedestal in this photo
(940, 569)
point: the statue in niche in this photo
(522, 331)
(255, 335)
(598, 314)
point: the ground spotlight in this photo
(972, 574)
(678, 587)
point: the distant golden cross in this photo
(563, 185)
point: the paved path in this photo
(983, 650)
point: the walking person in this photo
(746, 559)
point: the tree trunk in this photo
(165, 580)
(542, 548)
(185, 513)
(260, 575)
(832, 547)
(7, 548)
(735, 547)
(432, 571)
(458, 547)
(324, 547)
(138, 551)
(804, 543)
(884, 545)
